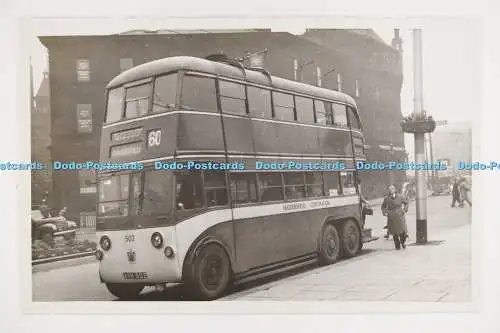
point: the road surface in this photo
(80, 282)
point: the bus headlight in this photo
(157, 240)
(99, 255)
(105, 243)
(169, 252)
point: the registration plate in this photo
(135, 275)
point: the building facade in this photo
(453, 143)
(81, 66)
(41, 180)
(374, 69)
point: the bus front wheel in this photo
(330, 245)
(210, 273)
(351, 238)
(124, 291)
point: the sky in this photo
(450, 57)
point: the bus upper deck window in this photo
(353, 119)
(324, 114)
(115, 105)
(198, 93)
(339, 114)
(164, 93)
(137, 100)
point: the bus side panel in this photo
(209, 223)
(265, 136)
(199, 132)
(333, 142)
(239, 135)
(266, 239)
(295, 139)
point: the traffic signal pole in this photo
(421, 201)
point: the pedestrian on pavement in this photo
(394, 207)
(455, 193)
(464, 191)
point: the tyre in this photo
(350, 238)
(209, 276)
(124, 291)
(329, 246)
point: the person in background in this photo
(464, 190)
(455, 193)
(394, 207)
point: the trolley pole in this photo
(421, 201)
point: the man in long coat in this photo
(394, 207)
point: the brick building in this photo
(358, 63)
(41, 180)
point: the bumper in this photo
(64, 232)
(133, 259)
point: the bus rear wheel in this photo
(210, 273)
(330, 245)
(351, 238)
(125, 291)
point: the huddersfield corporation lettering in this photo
(304, 205)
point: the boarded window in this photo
(83, 70)
(126, 63)
(84, 118)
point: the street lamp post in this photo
(419, 124)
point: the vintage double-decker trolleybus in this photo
(241, 174)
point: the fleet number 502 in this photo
(154, 138)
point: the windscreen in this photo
(146, 193)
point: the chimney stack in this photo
(397, 42)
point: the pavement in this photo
(439, 272)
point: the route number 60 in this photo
(154, 138)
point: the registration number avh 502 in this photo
(135, 275)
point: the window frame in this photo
(149, 98)
(282, 187)
(286, 186)
(309, 99)
(78, 70)
(177, 90)
(269, 91)
(321, 183)
(90, 118)
(255, 183)
(199, 75)
(288, 107)
(334, 114)
(221, 96)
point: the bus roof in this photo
(172, 64)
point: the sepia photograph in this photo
(295, 163)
